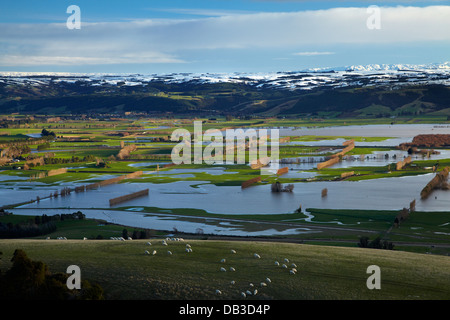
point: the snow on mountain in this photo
(373, 74)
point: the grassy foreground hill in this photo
(126, 272)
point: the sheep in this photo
(149, 243)
(84, 238)
(154, 252)
(188, 250)
(248, 292)
(169, 253)
(232, 269)
(277, 263)
(263, 284)
(286, 260)
(232, 282)
(292, 271)
(251, 284)
(146, 252)
(293, 265)
(257, 256)
(218, 292)
(223, 260)
(284, 266)
(188, 245)
(268, 280)
(223, 269)
(255, 292)
(233, 251)
(243, 295)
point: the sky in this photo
(219, 36)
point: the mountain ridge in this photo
(372, 90)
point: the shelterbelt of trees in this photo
(38, 226)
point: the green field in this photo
(323, 272)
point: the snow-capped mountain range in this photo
(358, 75)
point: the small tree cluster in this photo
(28, 280)
(377, 243)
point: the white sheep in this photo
(223, 260)
(223, 269)
(154, 252)
(233, 282)
(169, 253)
(263, 284)
(257, 256)
(130, 238)
(286, 260)
(293, 265)
(149, 243)
(233, 251)
(255, 292)
(188, 245)
(277, 263)
(218, 292)
(291, 271)
(243, 295)
(284, 266)
(146, 252)
(232, 269)
(268, 280)
(248, 292)
(84, 238)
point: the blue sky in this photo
(220, 35)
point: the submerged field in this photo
(323, 273)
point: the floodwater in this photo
(170, 223)
(380, 194)
(407, 131)
(387, 193)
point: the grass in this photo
(324, 272)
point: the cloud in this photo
(172, 40)
(313, 53)
(40, 60)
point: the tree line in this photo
(37, 226)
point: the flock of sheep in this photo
(252, 289)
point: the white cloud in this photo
(168, 41)
(312, 53)
(39, 60)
